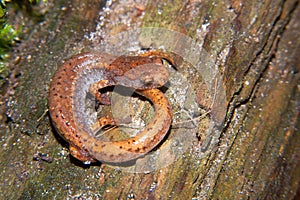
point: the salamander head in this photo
(145, 76)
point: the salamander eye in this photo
(148, 80)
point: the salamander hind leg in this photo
(81, 154)
(102, 122)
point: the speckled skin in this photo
(89, 72)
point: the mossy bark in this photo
(256, 49)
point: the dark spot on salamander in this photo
(157, 136)
(103, 154)
(120, 147)
(149, 128)
(137, 150)
(103, 145)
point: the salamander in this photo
(88, 73)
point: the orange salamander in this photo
(87, 73)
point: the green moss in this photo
(9, 34)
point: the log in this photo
(237, 133)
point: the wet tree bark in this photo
(257, 51)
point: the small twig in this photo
(106, 131)
(214, 94)
(42, 116)
(194, 120)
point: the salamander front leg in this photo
(95, 88)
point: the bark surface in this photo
(255, 48)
